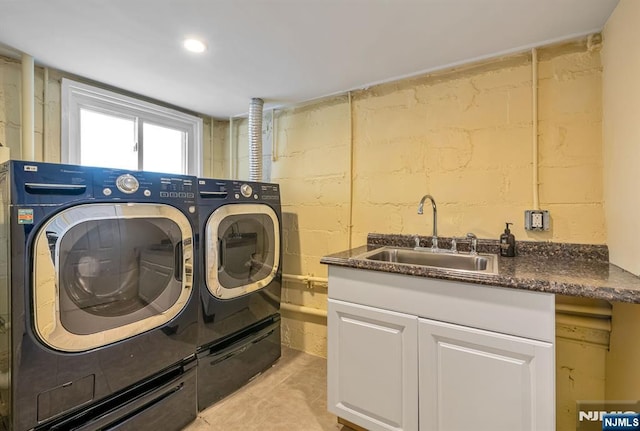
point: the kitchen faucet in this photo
(434, 238)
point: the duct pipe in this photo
(28, 148)
(255, 139)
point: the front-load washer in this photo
(97, 311)
(240, 284)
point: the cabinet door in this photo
(373, 366)
(472, 379)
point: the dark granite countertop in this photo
(564, 269)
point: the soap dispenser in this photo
(507, 243)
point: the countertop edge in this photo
(543, 285)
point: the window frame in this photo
(77, 95)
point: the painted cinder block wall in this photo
(463, 135)
(47, 134)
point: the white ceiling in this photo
(283, 51)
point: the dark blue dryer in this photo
(99, 319)
(240, 284)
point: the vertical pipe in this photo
(350, 226)
(534, 134)
(274, 144)
(255, 139)
(28, 148)
(231, 175)
(211, 149)
(45, 116)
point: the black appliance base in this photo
(226, 367)
(166, 401)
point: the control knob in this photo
(127, 183)
(246, 190)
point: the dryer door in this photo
(242, 249)
(106, 272)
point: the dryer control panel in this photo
(237, 191)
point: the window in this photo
(103, 128)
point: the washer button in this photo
(106, 191)
(237, 196)
(147, 193)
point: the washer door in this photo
(242, 249)
(106, 272)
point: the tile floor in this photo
(290, 396)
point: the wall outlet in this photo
(536, 220)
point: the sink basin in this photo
(481, 263)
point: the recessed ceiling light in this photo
(194, 45)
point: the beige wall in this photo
(47, 133)
(621, 138)
(465, 138)
(10, 111)
(621, 134)
(462, 135)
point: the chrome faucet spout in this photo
(434, 239)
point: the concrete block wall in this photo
(214, 156)
(10, 97)
(462, 135)
(47, 135)
(465, 137)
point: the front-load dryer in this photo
(240, 284)
(97, 311)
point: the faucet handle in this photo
(474, 243)
(416, 240)
(454, 244)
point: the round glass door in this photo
(106, 272)
(243, 249)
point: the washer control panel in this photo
(145, 186)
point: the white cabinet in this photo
(472, 379)
(373, 366)
(411, 353)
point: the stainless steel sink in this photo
(481, 263)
